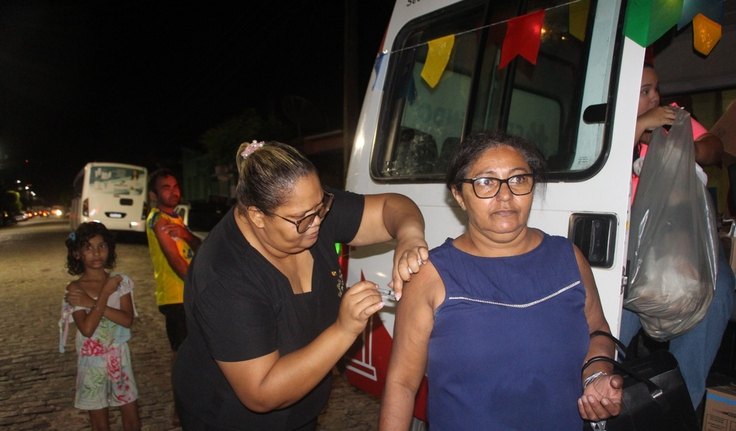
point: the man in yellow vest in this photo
(172, 246)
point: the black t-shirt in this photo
(240, 307)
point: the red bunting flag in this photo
(523, 37)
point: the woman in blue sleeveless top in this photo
(500, 317)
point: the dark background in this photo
(137, 81)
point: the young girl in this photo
(101, 305)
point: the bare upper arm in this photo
(414, 324)
(425, 293)
(72, 285)
(248, 377)
(165, 241)
(708, 149)
(372, 229)
(169, 248)
(126, 304)
(386, 216)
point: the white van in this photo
(115, 194)
(577, 104)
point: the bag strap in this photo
(621, 346)
(655, 391)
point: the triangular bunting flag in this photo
(523, 37)
(647, 20)
(377, 67)
(706, 34)
(579, 19)
(437, 58)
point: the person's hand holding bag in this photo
(602, 398)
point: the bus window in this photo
(111, 193)
(421, 125)
(117, 180)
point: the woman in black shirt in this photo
(268, 312)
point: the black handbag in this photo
(654, 397)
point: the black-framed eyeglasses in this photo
(488, 187)
(304, 223)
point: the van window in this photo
(421, 125)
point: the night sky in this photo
(136, 81)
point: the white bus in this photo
(114, 194)
(577, 103)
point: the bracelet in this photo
(588, 380)
(595, 359)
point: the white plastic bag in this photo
(673, 237)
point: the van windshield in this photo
(428, 108)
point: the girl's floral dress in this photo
(104, 371)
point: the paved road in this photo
(37, 382)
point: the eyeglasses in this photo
(488, 187)
(304, 223)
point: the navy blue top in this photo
(508, 341)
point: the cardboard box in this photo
(720, 409)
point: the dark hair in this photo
(80, 238)
(472, 147)
(155, 175)
(267, 172)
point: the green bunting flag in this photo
(647, 20)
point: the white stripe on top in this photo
(527, 305)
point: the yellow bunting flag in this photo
(706, 34)
(437, 58)
(579, 19)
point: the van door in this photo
(577, 104)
